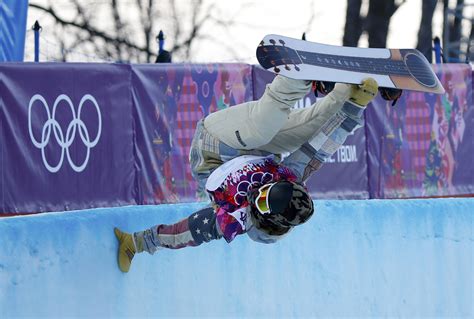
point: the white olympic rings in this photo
(64, 140)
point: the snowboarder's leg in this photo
(194, 230)
(334, 119)
(126, 250)
(250, 125)
(343, 107)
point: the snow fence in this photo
(103, 135)
(408, 258)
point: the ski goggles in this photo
(262, 200)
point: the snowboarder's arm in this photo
(191, 231)
(202, 226)
(194, 230)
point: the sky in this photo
(323, 22)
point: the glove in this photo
(126, 249)
(363, 93)
(390, 94)
(322, 87)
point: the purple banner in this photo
(424, 146)
(345, 174)
(77, 136)
(168, 102)
(67, 139)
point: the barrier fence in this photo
(78, 136)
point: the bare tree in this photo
(470, 51)
(125, 30)
(376, 25)
(376, 22)
(425, 33)
(452, 32)
(354, 23)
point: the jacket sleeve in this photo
(203, 227)
(198, 228)
(231, 223)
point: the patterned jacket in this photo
(228, 186)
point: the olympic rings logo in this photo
(64, 140)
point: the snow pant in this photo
(263, 127)
(272, 126)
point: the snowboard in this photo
(405, 69)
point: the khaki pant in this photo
(270, 124)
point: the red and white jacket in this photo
(228, 186)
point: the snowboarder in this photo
(237, 158)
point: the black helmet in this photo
(280, 205)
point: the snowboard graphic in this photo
(405, 69)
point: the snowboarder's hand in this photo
(390, 94)
(363, 93)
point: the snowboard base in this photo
(405, 69)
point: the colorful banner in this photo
(67, 137)
(12, 29)
(168, 102)
(424, 145)
(78, 136)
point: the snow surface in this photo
(408, 258)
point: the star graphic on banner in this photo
(198, 231)
(196, 216)
(205, 221)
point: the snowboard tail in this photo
(396, 68)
